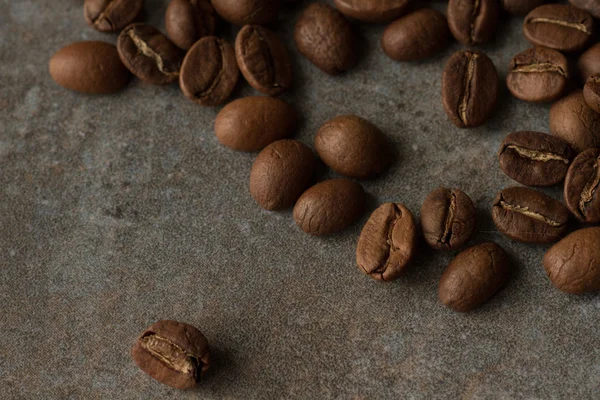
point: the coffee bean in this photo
(416, 36)
(173, 353)
(574, 121)
(520, 7)
(248, 12)
(209, 72)
(473, 21)
(582, 193)
(469, 88)
(474, 276)
(448, 219)
(263, 60)
(559, 26)
(591, 6)
(529, 216)
(89, 67)
(589, 63)
(281, 173)
(538, 75)
(326, 39)
(591, 92)
(251, 123)
(372, 10)
(111, 15)
(330, 206)
(187, 21)
(387, 242)
(573, 264)
(535, 158)
(149, 55)
(353, 146)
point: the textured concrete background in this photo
(117, 211)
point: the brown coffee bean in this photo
(448, 219)
(535, 158)
(281, 173)
(330, 206)
(248, 12)
(263, 60)
(326, 39)
(111, 15)
(559, 26)
(589, 63)
(469, 88)
(591, 92)
(474, 276)
(473, 21)
(582, 193)
(209, 72)
(251, 123)
(591, 6)
(387, 242)
(187, 21)
(372, 10)
(529, 216)
(574, 121)
(89, 67)
(173, 353)
(520, 7)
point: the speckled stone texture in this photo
(117, 211)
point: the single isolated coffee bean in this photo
(574, 121)
(209, 72)
(520, 7)
(248, 12)
(372, 10)
(535, 158)
(559, 26)
(111, 15)
(582, 191)
(353, 146)
(538, 75)
(448, 219)
(589, 63)
(387, 242)
(473, 22)
(89, 67)
(251, 123)
(591, 6)
(573, 264)
(469, 88)
(324, 37)
(173, 353)
(591, 92)
(187, 21)
(281, 173)
(529, 216)
(329, 206)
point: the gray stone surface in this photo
(117, 211)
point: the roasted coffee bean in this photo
(111, 15)
(281, 173)
(187, 21)
(263, 60)
(353, 146)
(574, 121)
(529, 216)
(573, 264)
(330, 206)
(209, 72)
(448, 219)
(469, 88)
(89, 67)
(173, 353)
(520, 7)
(591, 6)
(149, 54)
(591, 92)
(248, 12)
(538, 75)
(251, 123)
(559, 26)
(535, 158)
(387, 242)
(324, 37)
(473, 21)
(589, 63)
(582, 186)
(372, 10)
(416, 36)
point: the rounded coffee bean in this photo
(353, 146)
(589, 63)
(387, 242)
(149, 54)
(539, 75)
(535, 158)
(591, 92)
(473, 21)
(582, 193)
(326, 39)
(372, 10)
(251, 123)
(281, 173)
(248, 12)
(416, 36)
(529, 216)
(111, 15)
(330, 206)
(573, 264)
(89, 67)
(263, 60)
(591, 6)
(448, 219)
(189, 20)
(559, 26)
(173, 353)
(474, 276)
(520, 7)
(469, 88)
(209, 72)
(574, 121)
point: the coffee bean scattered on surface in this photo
(187, 21)
(520, 7)
(591, 92)
(591, 6)
(111, 15)
(588, 63)
(575, 122)
(248, 12)
(473, 22)
(581, 191)
(372, 10)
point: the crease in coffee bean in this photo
(215, 82)
(149, 52)
(590, 188)
(464, 103)
(476, 7)
(575, 25)
(537, 155)
(171, 354)
(390, 242)
(447, 234)
(528, 213)
(103, 15)
(265, 50)
(539, 68)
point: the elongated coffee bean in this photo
(591, 92)
(591, 6)
(582, 186)
(372, 10)
(589, 62)
(111, 15)
(575, 122)
(473, 21)
(187, 21)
